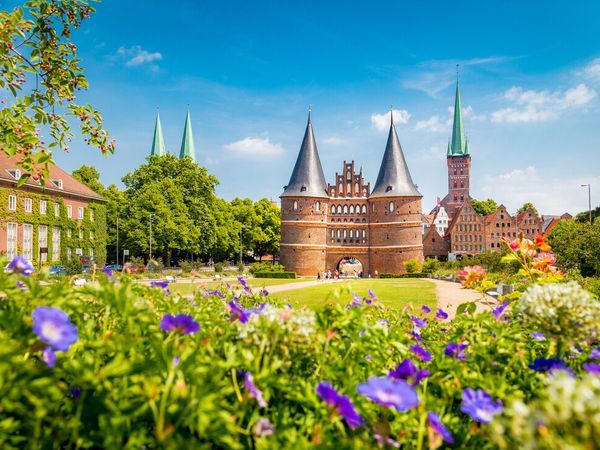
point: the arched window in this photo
(364, 209)
(345, 209)
(295, 205)
(340, 188)
(356, 188)
(372, 207)
(318, 206)
(351, 209)
(364, 234)
(349, 190)
(344, 234)
(392, 207)
(351, 234)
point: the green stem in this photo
(423, 418)
(236, 387)
(163, 404)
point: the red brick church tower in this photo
(459, 163)
(321, 224)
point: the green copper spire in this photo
(158, 143)
(458, 145)
(187, 143)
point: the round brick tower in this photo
(304, 207)
(394, 213)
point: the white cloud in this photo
(541, 106)
(137, 56)
(592, 70)
(334, 140)
(382, 121)
(255, 146)
(435, 152)
(549, 195)
(434, 124)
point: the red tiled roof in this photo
(70, 185)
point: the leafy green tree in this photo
(227, 232)
(584, 217)
(526, 206)
(40, 69)
(269, 218)
(484, 207)
(576, 245)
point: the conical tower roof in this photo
(394, 178)
(458, 144)
(158, 143)
(187, 143)
(307, 179)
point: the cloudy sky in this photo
(247, 71)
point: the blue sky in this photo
(530, 79)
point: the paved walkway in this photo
(450, 295)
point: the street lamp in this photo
(151, 236)
(241, 246)
(117, 241)
(589, 199)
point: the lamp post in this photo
(151, 236)
(589, 199)
(241, 246)
(117, 241)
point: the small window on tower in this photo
(318, 206)
(388, 189)
(303, 189)
(295, 205)
(392, 207)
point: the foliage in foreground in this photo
(227, 370)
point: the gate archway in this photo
(350, 267)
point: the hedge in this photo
(404, 275)
(275, 275)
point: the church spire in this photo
(394, 178)
(307, 178)
(458, 144)
(187, 143)
(158, 143)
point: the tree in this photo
(269, 218)
(89, 176)
(484, 207)
(40, 69)
(526, 206)
(576, 245)
(584, 217)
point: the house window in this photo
(28, 204)
(392, 207)
(318, 206)
(69, 211)
(295, 205)
(345, 209)
(80, 233)
(364, 209)
(55, 243)
(11, 240)
(69, 253)
(68, 232)
(91, 253)
(91, 235)
(80, 212)
(56, 209)
(351, 210)
(28, 241)
(92, 212)
(43, 207)
(12, 202)
(43, 242)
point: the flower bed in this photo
(119, 365)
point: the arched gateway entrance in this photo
(350, 267)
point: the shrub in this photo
(275, 275)
(266, 267)
(412, 265)
(404, 275)
(241, 268)
(430, 265)
(74, 266)
(219, 267)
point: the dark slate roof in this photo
(394, 179)
(307, 179)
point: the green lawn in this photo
(189, 288)
(391, 292)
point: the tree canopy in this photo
(526, 206)
(484, 207)
(576, 245)
(40, 69)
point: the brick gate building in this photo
(321, 223)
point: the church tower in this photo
(459, 162)
(394, 212)
(304, 203)
(187, 142)
(158, 143)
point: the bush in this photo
(412, 265)
(266, 267)
(275, 275)
(430, 265)
(218, 267)
(241, 268)
(74, 266)
(404, 275)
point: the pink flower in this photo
(472, 275)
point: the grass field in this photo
(189, 288)
(391, 292)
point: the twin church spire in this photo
(458, 146)
(187, 142)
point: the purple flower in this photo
(161, 284)
(416, 334)
(263, 427)
(109, 273)
(341, 403)
(368, 358)
(538, 336)
(215, 292)
(426, 309)
(76, 393)
(237, 312)
(20, 265)
(259, 310)
(420, 353)
(372, 295)
(550, 364)
(244, 284)
(595, 353)
(436, 424)
(479, 405)
(407, 370)
(175, 362)
(181, 323)
(22, 286)
(264, 292)
(388, 392)
(327, 393)
(498, 312)
(441, 314)
(456, 350)
(49, 357)
(53, 327)
(254, 391)
(592, 368)
(421, 323)
(382, 441)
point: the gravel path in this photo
(450, 295)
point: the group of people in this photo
(328, 274)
